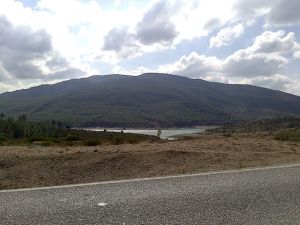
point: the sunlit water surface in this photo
(169, 134)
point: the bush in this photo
(47, 143)
(288, 135)
(34, 139)
(68, 143)
(72, 138)
(133, 141)
(92, 143)
(57, 141)
(2, 138)
(227, 135)
(21, 131)
(117, 141)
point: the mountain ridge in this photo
(151, 99)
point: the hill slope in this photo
(264, 125)
(147, 100)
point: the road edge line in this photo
(250, 169)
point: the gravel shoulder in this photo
(25, 166)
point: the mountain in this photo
(264, 125)
(147, 100)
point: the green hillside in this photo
(20, 131)
(147, 100)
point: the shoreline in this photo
(142, 128)
(189, 131)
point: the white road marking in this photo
(102, 204)
(154, 178)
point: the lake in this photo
(169, 134)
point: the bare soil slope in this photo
(22, 167)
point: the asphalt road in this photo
(259, 196)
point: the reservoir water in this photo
(169, 134)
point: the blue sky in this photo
(234, 41)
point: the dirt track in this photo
(46, 166)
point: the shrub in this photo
(47, 143)
(2, 138)
(227, 134)
(92, 143)
(117, 141)
(288, 135)
(158, 133)
(72, 138)
(133, 141)
(34, 139)
(68, 143)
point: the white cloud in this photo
(248, 9)
(163, 25)
(297, 51)
(267, 56)
(244, 63)
(4, 74)
(121, 41)
(23, 50)
(6, 88)
(193, 65)
(81, 33)
(297, 55)
(285, 12)
(194, 17)
(133, 72)
(294, 87)
(276, 12)
(226, 35)
(27, 54)
(62, 39)
(259, 64)
(275, 42)
(277, 82)
(156, 25)
(212, 24)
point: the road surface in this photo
(254, 196)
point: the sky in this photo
(253, 42)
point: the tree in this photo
(22, 118)
(21, 129)
(59, 124)
(158, 133)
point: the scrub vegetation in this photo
(288, 135)
(20, 131)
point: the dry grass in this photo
(45, 166)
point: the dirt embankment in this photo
(46, 166)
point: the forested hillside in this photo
(148, 100)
